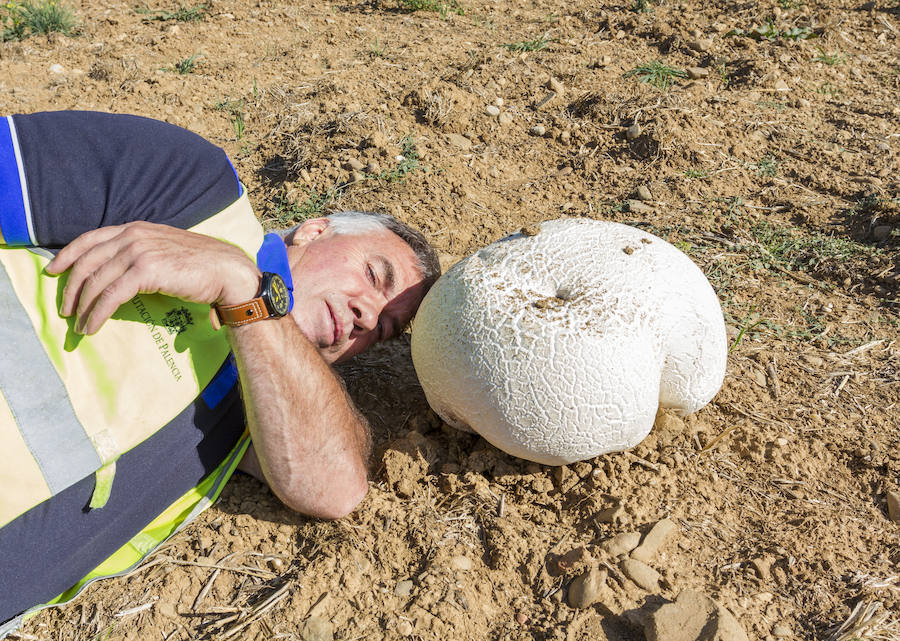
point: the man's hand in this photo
(111, 264)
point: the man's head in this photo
(358, 279)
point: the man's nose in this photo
(365, 312)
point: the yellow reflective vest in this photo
(70, 405)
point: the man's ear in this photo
(308, 231)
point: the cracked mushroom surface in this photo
(560, 345)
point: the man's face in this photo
(351, 290)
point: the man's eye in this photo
(370, 274)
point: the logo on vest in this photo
(176, 320)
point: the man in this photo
(121, 235)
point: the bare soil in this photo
(774, 166)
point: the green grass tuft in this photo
(196, 13)
(19, 20)
(443, 7)
(657, 74)
(535, 44)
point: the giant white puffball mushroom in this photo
(560, 345)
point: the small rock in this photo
(498, 102)
(883, 147)
(556, 85)
(354, 164)
(584, 591)
(492, 110)
(636, 206)
(781, 630)
(643, 193)
(881, 232)
(642, 574)
(538, 130)
(763, 567)
(654, 540)
(700, 45)
(405, 628)
(173, 30)
(505, 118)
(57, 68)
(565, 136)
(693, 616)
(803, 103)
(317, 629)
(621, 543)
(610, 514)
(460, 562)
(493, 172)
(373, 167)
(781, 85)
(459, 141)
(521, 618)
(813, 361)
(893, 505)
(633, 132)
(403, 588)
(695, 73)
(758, 376)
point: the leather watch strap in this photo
(237, 315)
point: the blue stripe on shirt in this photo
(13, 221)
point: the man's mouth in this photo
(335, 324)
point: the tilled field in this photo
(762, 139)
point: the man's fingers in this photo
(73, 251)
(110, 299)
(95, 284)
(87, 270)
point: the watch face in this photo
(279, 296)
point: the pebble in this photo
(638, 207)
(763, 567)
(884, 147)
(354, 164)
(654, 540)
(57, 68)
(893, 505)
(881, 232)
(700, 44)
(695, 73)
(565, 136)
(781, 85)
(459, 141)
(403, 588)
(610, 514)
(781, 630)
(405, 628)
(317, 629)
(492, 110)
(521, 618)
(621, 544)
(373, 167)
(538, 130)
(643, 193)
(642, 574)
(556, 85)
(584, 591)
(505, 118)
(633, 131)
(460, 562)
(693, 616)
(498, 102)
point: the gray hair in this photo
(364, 222)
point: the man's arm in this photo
(311, 443)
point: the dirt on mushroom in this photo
(760, 139)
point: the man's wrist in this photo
(241, 285)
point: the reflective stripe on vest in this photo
(70, 404)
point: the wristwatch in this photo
(274, 300)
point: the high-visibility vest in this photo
(70, 405)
